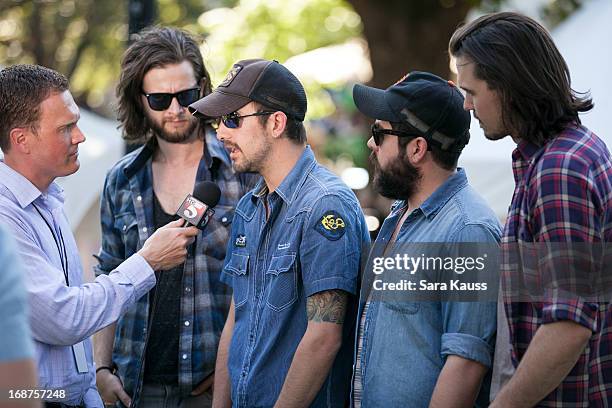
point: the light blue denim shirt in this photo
(15, 340)
(405, 344)
(311, 242)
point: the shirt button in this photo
(144, 229)
(184, 356)
(186, 322)
(224, 219)
(187, 289)
(139, 198)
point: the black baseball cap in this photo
(259, 80)
(429, 104)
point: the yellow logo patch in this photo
(331, 222)
(331, 225)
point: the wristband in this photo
(104, 368)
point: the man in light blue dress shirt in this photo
(39, 137)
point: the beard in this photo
(172, 137)
(253, 163)
(399, 181)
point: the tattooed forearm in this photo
(328, 306)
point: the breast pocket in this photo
(237, 268)
(282, 274)
(127, 225)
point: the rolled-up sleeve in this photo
(469, 327)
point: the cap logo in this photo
(231, 75)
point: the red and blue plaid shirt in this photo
(563, 194)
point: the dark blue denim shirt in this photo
(311, 242)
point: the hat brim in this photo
(217, 104)
(373, 103)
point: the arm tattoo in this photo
(327, 306)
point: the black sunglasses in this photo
(379, 133)
(232, 120)
(161, 101)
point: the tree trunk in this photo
(409, 35)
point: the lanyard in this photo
(61, 248)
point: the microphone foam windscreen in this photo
(207, 192)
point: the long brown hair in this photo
(155, 47)
(516, 56)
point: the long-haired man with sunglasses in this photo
(434, 352)
(162, 352)
(294, 253)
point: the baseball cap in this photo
(426, 102)
(259, 80)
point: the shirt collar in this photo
(290, 186)
(445, 192)
(24, 191)
(525, 150)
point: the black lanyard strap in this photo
(60, 247)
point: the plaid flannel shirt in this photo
(563, 195)
(127, 221)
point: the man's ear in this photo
(277, 123)
(416, 150)
(20, 139)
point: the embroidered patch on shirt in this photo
(284, 246)
(240, 241)
(331, 226)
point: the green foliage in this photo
(276, 29)
(557, 11)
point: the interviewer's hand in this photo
(111, 388)
(167, 247)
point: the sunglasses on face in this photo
(379, 133)
(232, 120)
(161, 101)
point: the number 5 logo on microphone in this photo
(190, 212)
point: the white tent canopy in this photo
(583, 42)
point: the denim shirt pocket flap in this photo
(127, 226)
(237, 268)
(282, 275)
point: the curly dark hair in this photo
(154, 47)
(22, 89)
(517, 57)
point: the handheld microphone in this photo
(197, 209)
